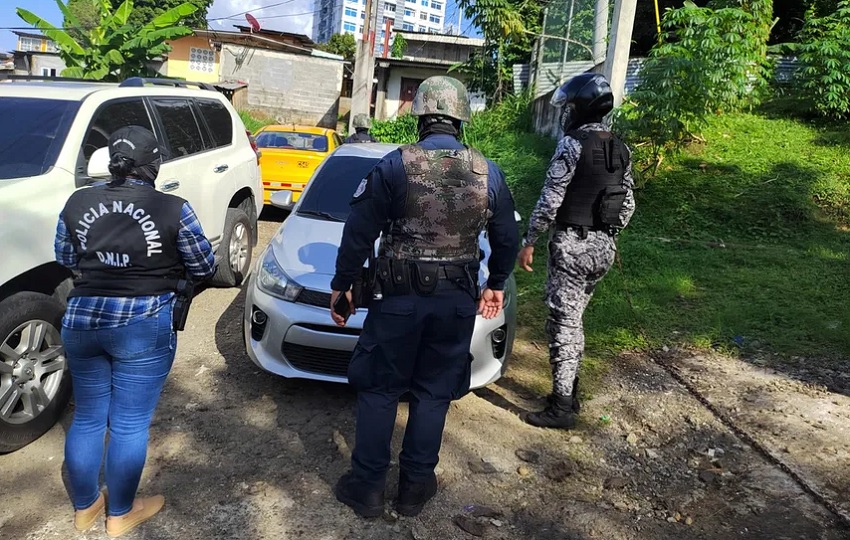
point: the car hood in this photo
(306, 249)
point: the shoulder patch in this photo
(361, 189)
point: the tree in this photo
(509, 28)
(399, 46)
(144, 11)
(825, 59)
(115, 49)
(342, 44)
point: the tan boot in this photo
(84, 519)
(143, 510)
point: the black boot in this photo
(560, 413)
(413, 496)
(576, 405)
(365, 502)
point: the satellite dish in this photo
(255, 24)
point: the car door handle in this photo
(170, 185)
(221, 168)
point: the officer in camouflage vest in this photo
(431, 200)
(588, 198)
(361, 123)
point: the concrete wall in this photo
(294, 88)
(37, 62)
(179, 60)
(393, 98)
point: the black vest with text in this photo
(125, 236)
(601, 167)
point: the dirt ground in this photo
(241, 454)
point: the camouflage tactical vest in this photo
(447, 206)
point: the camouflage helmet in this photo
(442, 96)
(362, 120)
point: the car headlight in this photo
(272, 279)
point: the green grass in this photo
(776, 194)
(254, 121)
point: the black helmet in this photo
(585, 98)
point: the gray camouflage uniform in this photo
(576, 265)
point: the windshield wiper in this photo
(327, 215)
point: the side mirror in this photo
(517, 217)
(282, 199)
(99, 164)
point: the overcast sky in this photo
(284, 15)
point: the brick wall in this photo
(293, 88)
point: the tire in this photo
(237, 249)
(30, 408)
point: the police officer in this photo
(431, 199)
(129, 245)
(362, 123)
(586, 199)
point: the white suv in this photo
(48, 134)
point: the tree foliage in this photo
(825, 58)
(710, 61)
(398, 47)
(116, 48)
(509, 28)
(344, 45)
(144, 11)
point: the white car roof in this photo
(77, 91)
(373, 150)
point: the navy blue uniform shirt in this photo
(383, 200)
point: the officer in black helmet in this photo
(586, 200)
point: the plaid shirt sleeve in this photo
(66, 253)
(195, 249)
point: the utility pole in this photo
(617, 61)
(600, 31)
(364, 71)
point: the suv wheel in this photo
(35, 385)
(236, 246)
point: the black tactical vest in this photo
(126, 239)
(447, 206)
(360, 138)
(600, 169)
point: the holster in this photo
(393, 276)
(425, 277)
(182, 302)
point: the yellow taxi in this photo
(290, 155)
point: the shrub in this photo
(825, 58)
(711, 61)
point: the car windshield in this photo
(32, 134)
(286, 140)
(330, 192)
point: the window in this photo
(32, 134)
(29, 44)
(423, 16)
(201, 60)
(331, 189)
(389, 8)
(360, 30)
(435, 19)
(437, 5)
(51, 46)
(349, 27)
(408, 27)
(422, 29)
(409, 13)
(48, 72)
(181, 128)
(350, 12)
(293, 141)
(110, 117)
(379, 49)
(218, 120)
(363, 15)
(425, 3)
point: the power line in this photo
(252, 10)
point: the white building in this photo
(349, 16)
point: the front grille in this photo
(314, 298)
(316, 360)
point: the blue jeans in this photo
(118, 375)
